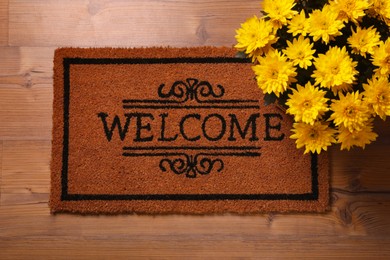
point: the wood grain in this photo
(1, 166)
(126, 23)
(25, 113)
(361, 170)
(26, 167)
(357, 224)
(26, 66)
(351, 215)
(26, 92)
(193, 247)
(354, 222)
(3, 23)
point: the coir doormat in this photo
(173, 130)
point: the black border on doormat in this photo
(65, 196)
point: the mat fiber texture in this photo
(173, 130)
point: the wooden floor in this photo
(357, 225)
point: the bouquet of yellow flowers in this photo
(326, 62)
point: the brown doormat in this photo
(173, 130)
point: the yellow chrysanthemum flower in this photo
(298, 24)
(364, 41)
(315, 138)
(377, 95)
(351, 10)
(360, 138)
(381, 8)
(381, 58)
(279, 11)
(334, 68)
(255, 37)
(307, 103)
(274, 73)
(300, 52)
(323, 24)
(350, 111)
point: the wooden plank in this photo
(26, 66)
(26, 92)
(357, 216)
(363, 170)
(25, 167)
(127, 23)
(25, 113)
(193, 247)
(356, 223)
(4, 23)
(1, 165)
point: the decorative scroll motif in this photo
(192, 165)
(180, 161)
(191, 89)
(181, 92)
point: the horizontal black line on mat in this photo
(156, 101)
(192, 148)
(244, 154)
(189, 107)
(79, 60)
(303, 196)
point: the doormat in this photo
(173, 130)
